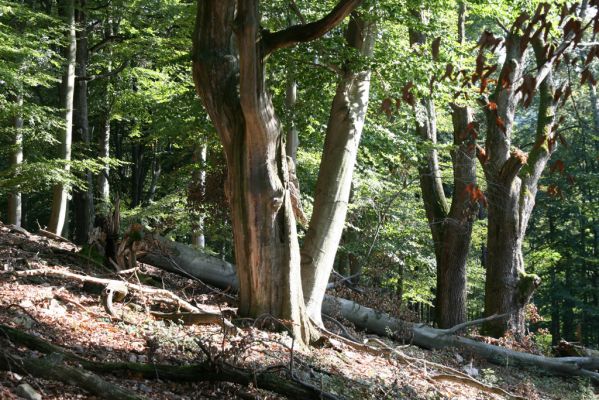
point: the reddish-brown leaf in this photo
(558, 166)
(386, 106)
(500, 123)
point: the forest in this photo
(335, 199)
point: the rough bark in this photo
(333, 186)
(16, 159)
(229, 55)
(457, 226)
(512, 179)
(451, 226)
(60, 192)
(83, 198)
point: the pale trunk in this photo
(83, 199)
(104, 152)
(60, 192)
(104, 134)
(333, 186)
(14, 198)
(199, 179)
(292, 142)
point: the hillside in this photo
(67, 313)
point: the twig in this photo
(53, 236)
(455, 328)
(476, 384)
(343, 329)
(157, 293)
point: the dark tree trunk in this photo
(457, 227)
(83, 199)
(555, 314)
(512, 179)
(451, 227)
(137, 172)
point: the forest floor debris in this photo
(64, 313)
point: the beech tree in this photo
(60, 192)
(229, 54)
(451, 225)
(512, 176)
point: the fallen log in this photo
(205, 371)
(183, 259)
(51, 368)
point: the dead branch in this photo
(477, 385)
(206, 371)
(54, 236)
(463, 325)
(156, 294)
(51, 368)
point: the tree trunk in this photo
(266, 246)
(14, 198)
(104, 152)
(554, 327)
(199, 182)
(512, 178)
(451, 227)
(457, 227)
(333, 186)
(137, 173)
(83, 198)
(60, 192)
(104, 131)
(292, 142)
(228, 69)
(156, 170)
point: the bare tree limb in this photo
(306, 32)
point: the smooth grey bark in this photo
(60, 192)
(292, 140)
(199, 181)
(156, 170)
(83, 198)
(16, 159)
(333, 186)
(104, 152)
(104, 131)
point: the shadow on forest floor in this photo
(61, 312)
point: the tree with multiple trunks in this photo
(229, 59)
